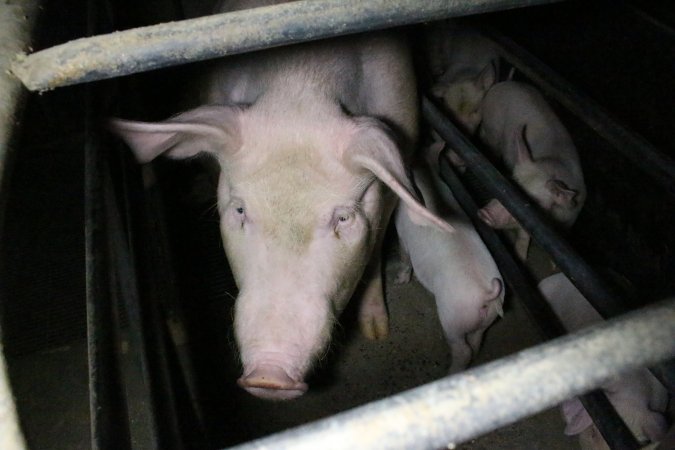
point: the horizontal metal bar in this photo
(631, 145)
(164, 45)
(601, 296)
(605, 417)
(461, 407)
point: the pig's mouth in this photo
(271, 382)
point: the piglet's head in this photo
(302, 202)
(538, 180)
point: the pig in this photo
(455, 267)
(311, 140)
(638, 397)
(521, 128)
(464, 65)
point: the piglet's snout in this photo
(271, 382)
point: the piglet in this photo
(455, 267)
(464, 65)
(521, 128)
(637, 396)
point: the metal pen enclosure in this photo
(114, 293)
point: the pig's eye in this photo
(238, 212)
(342, 219)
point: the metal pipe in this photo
(606, 302)
(164, 45)
(458, 408)
(17, 19)
(604, 416)
(631, 145)
(107, 408)
(17, 22)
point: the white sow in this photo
(311, 140)
(637, 396)
(455, 267)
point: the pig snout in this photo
(272, 382)
(279, 341)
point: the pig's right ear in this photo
(487, 77)
(371, 148)
(209, 129)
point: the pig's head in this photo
(537, 178)
(301, 205)
(463, 98)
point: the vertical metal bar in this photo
(129, 298)
(18, 20)
(635, 148)
(109, 421)
(605, 417)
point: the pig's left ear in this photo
(205, 129)
(371, 147)
(523, 154)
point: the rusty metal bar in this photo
(461, 407)
(169, 44)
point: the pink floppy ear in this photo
(576, 417)
(523, 153)
(562, 195)
(487, 77)
(205, 129)
(372, 148)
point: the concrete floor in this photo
(51, 386)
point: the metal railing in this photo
(164, 45)
(441, 413)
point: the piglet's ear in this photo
(562, 195)
(209, 129)
(576, 417)
(372, 148)
(487, 77)
(523, 153)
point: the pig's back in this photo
(510, 105)
(363, 75)
(441, 259)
